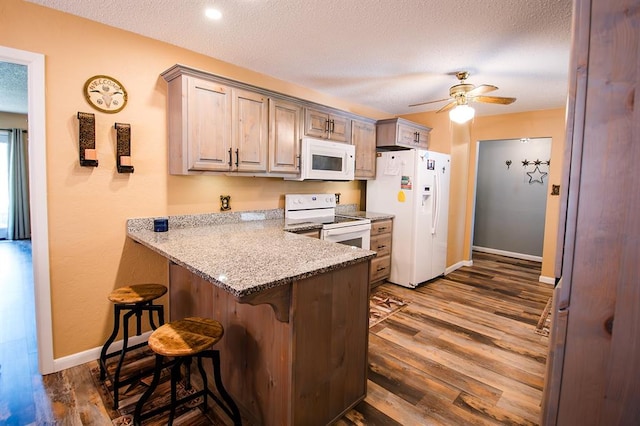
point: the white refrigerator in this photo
(413, 185)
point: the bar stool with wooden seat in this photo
(181, 341)
(130, 300)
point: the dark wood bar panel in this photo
(303, 366)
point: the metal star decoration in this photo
(536, 175)
(525, 162)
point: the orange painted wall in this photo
(534, 124)
(87, 207)
(460, 142)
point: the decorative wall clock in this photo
(105, 94)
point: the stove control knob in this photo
(329, 199)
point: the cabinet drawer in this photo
(381, 227)
(380, 268)
(381, 244)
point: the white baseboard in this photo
(508, 254)
(547, 280)
(458, 265)
(89, 355)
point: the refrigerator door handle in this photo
(436, 204)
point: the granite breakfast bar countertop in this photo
(245, 253)
(287, 302)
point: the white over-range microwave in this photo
(324, 160)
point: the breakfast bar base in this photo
(294, 355)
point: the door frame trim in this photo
(38, 199)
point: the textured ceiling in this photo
(385, 54)
(13, 88)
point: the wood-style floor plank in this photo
(472, 333)
(463, 352)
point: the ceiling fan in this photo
(462, 94)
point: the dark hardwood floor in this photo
(463, 351)
(19, 378)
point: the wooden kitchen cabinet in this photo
(363, 136)
(223, 126)
(206, 126)
(381, 231)
(398, 132)
(284, 136)
(327, 124)
(250, 136)
(216, 128)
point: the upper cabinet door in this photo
(394, 132)
(208, 129)
(363, 136)
(316, 123)
(406, 135)
(339, 128)
(321, 124)
(250, 131)
(284, 136)
(422, 139)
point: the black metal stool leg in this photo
(110, 340)
(175, 375)
(205, 385)
(159, 310)
(137, 414)
(233, 410)
(123, 352)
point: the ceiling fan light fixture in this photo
(461, 114)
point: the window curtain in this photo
(19, 222)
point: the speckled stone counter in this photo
(243, 252)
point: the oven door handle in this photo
(341, 231)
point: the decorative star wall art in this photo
(536, 175)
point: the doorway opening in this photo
(511, 197)
(38, 201)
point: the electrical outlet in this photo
(337, 198)
(225, 203)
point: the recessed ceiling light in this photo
(212, 13)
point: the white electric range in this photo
(320, 209)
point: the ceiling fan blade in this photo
(481, 90)
(447, 107)
(429, 102)
(493, 100)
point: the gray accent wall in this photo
(511, 204)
